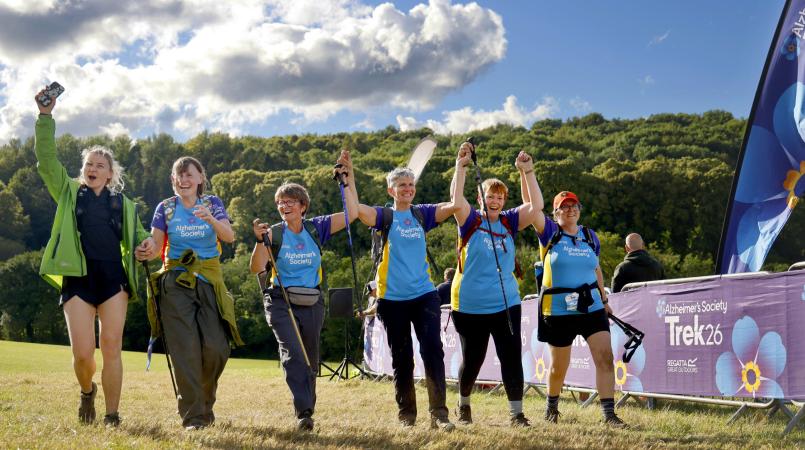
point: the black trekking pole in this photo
(340, 178)
(158, 311)
(162, 328)
(273, 262)
(634, 337)
(474, 157)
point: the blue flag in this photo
(769, 176)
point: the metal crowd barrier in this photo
(773, 405)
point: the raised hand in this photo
(464, 157)
(524, 162)
(45, 109)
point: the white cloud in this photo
(647, 80)
(659, 39)
(226, 65)
(466, 119)
(115, 129)
(580, 105)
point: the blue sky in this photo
(269, 67)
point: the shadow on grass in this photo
(226, 436)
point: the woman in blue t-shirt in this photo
(573, 302)
(194, 309)
(299, 271)
(479, 310)
(407, 296)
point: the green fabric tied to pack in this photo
(210, 269)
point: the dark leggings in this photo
(474, 331)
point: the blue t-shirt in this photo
(569, 264)
(299, 258)
(404, 272)
(186, 231)
(476, 288)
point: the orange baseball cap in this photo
(563, 197)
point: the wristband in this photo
(530, 171)
(260, 241)
(605, 301)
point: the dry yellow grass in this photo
(39, 401)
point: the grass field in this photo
(39, 403)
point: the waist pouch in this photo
(585, 292)
(302, 296)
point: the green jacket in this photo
(63, 254)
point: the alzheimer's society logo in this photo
(660, 307)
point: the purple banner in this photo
(741, 336)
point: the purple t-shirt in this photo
(186, 231)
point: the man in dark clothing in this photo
(637, 266)
(444, 288)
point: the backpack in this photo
(276, 244)
(557, 235)
(463, 241)
(114, 206)
(381, 236)
(169, 207)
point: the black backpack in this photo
(381, 236)
(462, 242)
(543, 251)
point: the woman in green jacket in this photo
(90, 258)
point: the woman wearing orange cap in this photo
(573, 301)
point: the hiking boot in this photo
(614, 421)
(407, 422)
(305, 424)
(112, 420)
(552, 415)
(464, 414)
(519, 421)
(86, 412)
(441, 423)
(305, 421)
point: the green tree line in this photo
(667, 176)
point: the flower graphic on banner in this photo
(790, 48)
(537, 361)
(660, 307)
(627, 374)
(771, 180)
(754, 363)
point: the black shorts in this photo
(560, 331)
(103, 280)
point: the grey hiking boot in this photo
(552, 415)
(519, 421)
(441, 423)
(112, 420)
(86, 412)
(614, 421)
(464, 414)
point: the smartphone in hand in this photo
(50, 93)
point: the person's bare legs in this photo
(112, 316)
(601, 350)
(80, 317)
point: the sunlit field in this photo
(39, 404)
